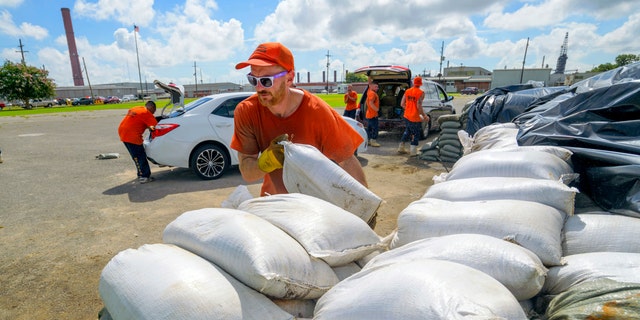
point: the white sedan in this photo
(198, 136)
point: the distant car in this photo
(85, 101)
(128, 97)
(392, 82)
(2, 105)
(112, 99)
(469, 90)
(47, 103)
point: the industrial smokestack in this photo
(73, 51)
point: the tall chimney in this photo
(73, 51)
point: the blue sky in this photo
(215, 35)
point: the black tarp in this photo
(503, 104)
(602, 127)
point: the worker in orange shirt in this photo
(280, 111)
(373, 105)
(413, 116)
(351, 102)
(137, 120)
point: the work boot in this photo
(413, 151)
(401, 149)
(374, 143)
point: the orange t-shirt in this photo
(411, 98)
(314, 123)
(351, 104)
(137, 120)
(372, 96)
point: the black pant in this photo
(139, 157)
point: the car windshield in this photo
(189, 106)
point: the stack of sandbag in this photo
(601, 278)
(510, 193)
(447, 146)
(288, 249)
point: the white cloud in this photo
(7, 26)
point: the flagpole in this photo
(135, 31)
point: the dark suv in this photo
(392, 82)
(469, 90)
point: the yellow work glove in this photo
(272, 157)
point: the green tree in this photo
(22, 82)
(621, 60)
(625, 59)
(352, 77)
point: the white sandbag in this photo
(585, 233)
(346, 271)
(552, 193)
(560, 152)
(516, 267)
(493, 136)
(240, 194)
(523, 164)
(325, 230)
(532, 225)
(306, 170)
(420, 289)
(161, 281)
(253, 250)
(618, 266)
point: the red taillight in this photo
(162, 129)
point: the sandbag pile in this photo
(447, 146)
(282, 249)
(600, 278)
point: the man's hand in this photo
(272, 157)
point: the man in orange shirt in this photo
(277, 109)
(137, 120)
(373, 105)
(351, 102)
(413, 116)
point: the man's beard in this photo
(272, 98)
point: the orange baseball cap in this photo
(417, 81)
(269, 54)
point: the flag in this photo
(135, 28)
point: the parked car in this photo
(198, 135)
(84, 101)
(112, 99)
(47, 103)
(128, 97)
(469, 90)
(392, 82)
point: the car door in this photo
(221, 121)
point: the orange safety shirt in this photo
(372, 97)
(314, 123)
(351, 104)
(412, 96)
(137, 120)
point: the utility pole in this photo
(195, 76)
(328, 71)
(22, 52)
(89, 81)
(523, 60)
(135, 36)
(441, 59)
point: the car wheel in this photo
(426, 128)
(209, 162)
